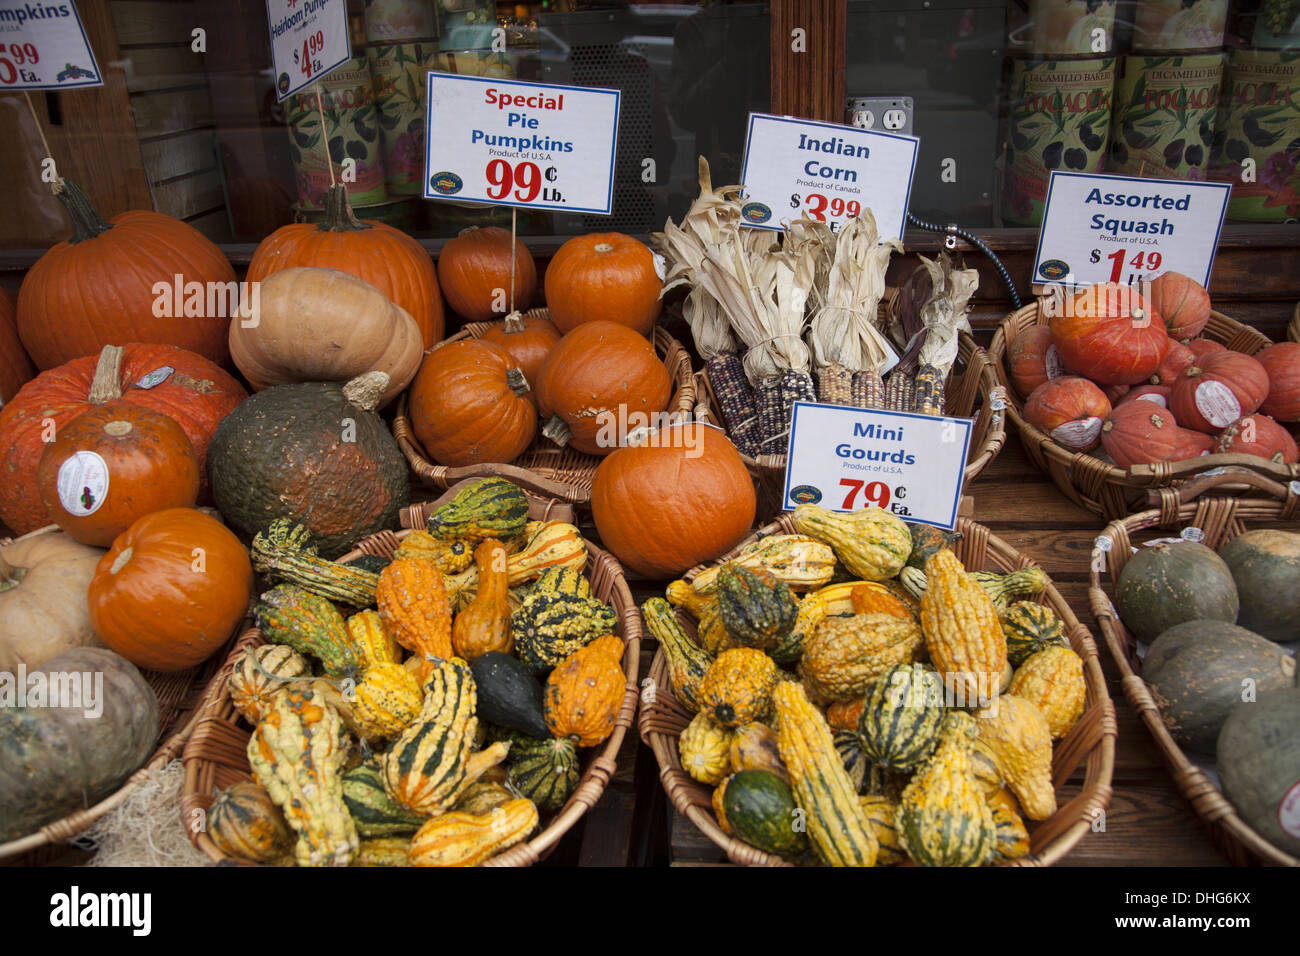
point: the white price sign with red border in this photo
(43, 46)
(309, 38)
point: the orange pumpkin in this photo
(1217, 389)
(109, 466)
(1147, 393)
(600, 377)
(1282, 363)
(1110, 334)
(181, 385)
(1175, 361)
(1259, 435)
(1139, 433)
(485, 624)
(97, 288)
(469, 404)
(528, 339)
(16, 368)
(387, 258)
(171, 590)
(1182, 302)
(475, 272)
(1070, 409)
(1032, 359)
(603, 277)
(1190, 444)
(1201, 347)
(679, 497)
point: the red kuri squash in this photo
(1190, 444)
(16, 368)
(475, 271)
(182, 385)
(1176, 359)
(102, 286)
(1182, 302)
(1147, 393)
(1259, 435)
(528, 339)
(111, 465)
(1070, 409)
(1218, 389)
(603, 277)
(1282, 363)
(1202, 347)
(1139, 433)
(1032, 359)
(1110, 334)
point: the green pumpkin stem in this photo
(106, 386)
(339, 216)
(85, 220)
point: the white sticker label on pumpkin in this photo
(1052, 363)
(661, 267)
(1288, 810)
(154, 378)
(1079, 435)
(1153, 397)
(1193, 534)
(1217, 404)
(83, 483)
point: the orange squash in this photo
(528, 339)
(1282, 363)
(1139, 433)
(1032, 359)
(470, 404)
(603, 277)
(1148, 393)
(1070, 409)
(1176, 359)
(585, 691)
(1259, 435)
(485, 624)
(1110, 334)
(1218, 389)
(109, 466)
(475, 271)
(414, 608)
(1190, 444)
(171, 590)
(1182, 302)
(16, 369)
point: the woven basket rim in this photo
(600, 765)
(1221, 517)
(169, 747)
(1091, 741)
(1086, 479)
(577, 471)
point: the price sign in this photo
(43, 46)
(829, 171)
(1122, 229)
(521, 144)
(847, 459)
(308, 39)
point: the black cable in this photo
(954, 230)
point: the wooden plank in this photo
(808, 81)
(162, 68)
(1146, 825)
(215, 225)
(157, 114)
(190, 195)
(175, 156)
(607, 836)
(153, 21)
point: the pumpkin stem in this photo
(514, 322)
(85, 220)
(120, 561)
(117, 428)
(364, 391)
(603, 247)
(9, 575)
(339, 216)
(558, 431)
(106, 386)
(517, 382)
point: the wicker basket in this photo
(1091, 741)
(544, 468)
(215, 755)
(1104, 488)
(1220, 519)
(179, 694)
(974, 391)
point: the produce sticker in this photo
(847, 459)
(1100, 228)
(43, 46)
(828, 171)
(511, 143)
(309, 38)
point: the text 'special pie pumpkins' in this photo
(171, 590)
(387, 258)
(99, 286)
(476, 274)
(325, 325)
(470, 404)
(181, 385)
(16, 368)
(1110, 334)
(603, 277)
(315, 453)
(679, 497)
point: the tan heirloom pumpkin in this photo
(584, 693)
(43, 611)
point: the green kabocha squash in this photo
(926, 540)
(509, 694)
(943, 819)
(286, 552)
(310, 624)
(1030, 628)
(1259, 763)
(487, 508)
(687, 661)
(316, 454)
(903, 710)
(551, 625)
(245, 822)
(372, 809)
(1198, 673)
(757, 609)
(545, 771)
(760, 809)
(1265, 566)
(1172, 582)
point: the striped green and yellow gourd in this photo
(687, 661)
(1030, 628)
(756, 608)
(487, 508)
(288, 614)
(372, 810)
(901, 716)
(550, 625)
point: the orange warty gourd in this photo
(476, 264)
(387, 258)
(470, 404)
(1032, 359)
(1070, 409)
(171, 590)
(1182, 302)
(600, 375)
(1282, 363)
(414, 609)
(680, 497)
(1217, 389)
(528, 339)
(1139, 433)
(1110, 334)
(184, 386)
(603, 277)
(97, 288)
(1259, 435)
(16, 368)
(585, 691)
(485, 624)
(110, 466)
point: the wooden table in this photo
(1147, 823)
